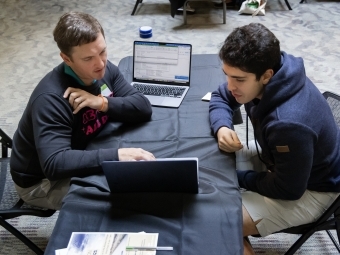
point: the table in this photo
(208, 223)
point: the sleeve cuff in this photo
(242, 178)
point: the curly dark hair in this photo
(252, 48)
(76, 29)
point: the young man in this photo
(293, 125)
(69, 107)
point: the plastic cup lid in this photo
(145, 29)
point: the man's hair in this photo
(252, 48)
(76, 29)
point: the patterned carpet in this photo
(27, 52)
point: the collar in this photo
(68, 70)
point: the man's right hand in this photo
(133, 154)
(228, 140)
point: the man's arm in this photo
(221, 108)
(127, 104)
(52, 121)
(292, 147)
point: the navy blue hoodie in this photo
(292, 114)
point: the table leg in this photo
(134, 8)
(288, 5)
(224, 11)
(185, 12)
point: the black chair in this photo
(330, 219)
(135, 7)
(11, 205)
(175, 4)
(288, 5)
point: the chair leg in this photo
(299, 243)
(333, 240)
(337, 228)
(224, 11)
(134, 8)
(288, 5)
(21, 237)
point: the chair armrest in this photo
(5, 139)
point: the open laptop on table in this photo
(161, 175)
(161, 71)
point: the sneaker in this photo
(189, 9)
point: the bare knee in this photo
(249, 226)
(247, 248)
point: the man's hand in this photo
(228, 140)
(131, 154)
(79, 99)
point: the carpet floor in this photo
(28, 52)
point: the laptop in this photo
(161, 175)
(161, 71)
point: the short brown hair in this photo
(76, 29)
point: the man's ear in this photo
(66, 58)
(268, 74)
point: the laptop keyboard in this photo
(156, 90)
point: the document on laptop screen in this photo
(162, 62)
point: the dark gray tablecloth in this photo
(208, 223)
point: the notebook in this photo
(161, 71)
(161, 175)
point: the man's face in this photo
(244, 86)
(88, 61)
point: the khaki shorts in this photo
(277, 214)
(46, 194)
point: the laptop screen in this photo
(162, 62)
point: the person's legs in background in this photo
(231, 4)
(189, 9)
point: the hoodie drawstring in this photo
(247, 130)
(257, 148)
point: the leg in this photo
(249, 228)
(288, 5)
(185, 12)
(264, 216)
(224, 11)
(247, 249)
(134, 8)
(46, 194)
